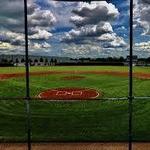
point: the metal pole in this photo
(26, 51)
(27, 76)
(131, 76)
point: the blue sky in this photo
(77, 29)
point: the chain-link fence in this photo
(72, 104)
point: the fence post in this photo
(131, 76)
(27, 75)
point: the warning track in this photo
(111, 73)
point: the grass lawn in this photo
(75, 121)
(110, 86)
(75, 68)
(78, 121)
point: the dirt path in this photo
(112, 73)
(77, 146)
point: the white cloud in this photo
(143, 46)
(5, 45)
(41, 18)
(94, 13)
(40, 22)
(83, 50)
(118, 42)
(141, 15)
(93, 24)
(12, 37)
(40, 34)
(59, 4)
(88, 31)
(9, 48)
(44, 45)
(61, 10)
(107, 37)
(111, 40)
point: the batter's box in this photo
(77, 93)
(61, 93)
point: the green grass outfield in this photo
(81, 68)
(110, 86)
(74, 121)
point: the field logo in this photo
(73, 93)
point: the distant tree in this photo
(11, 61)
(4, 60)
(98, 59)
(46, 61)
(36, 61)
(30, 61)
(52, 60)
(41, 59)
(81, 59)
(115, 59)
(148, 59)
(121, 59)
(55, 61)
(17, 61)
(109, 59)
(22, 60)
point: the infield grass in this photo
(110, 86)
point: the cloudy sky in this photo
(76, 29)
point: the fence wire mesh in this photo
(28, 118)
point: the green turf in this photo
(110, 86)
(76, 68)
(75, 121)
(12, 121)
(78, 121)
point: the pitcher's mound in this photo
(69, 94)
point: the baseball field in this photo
(53, 119)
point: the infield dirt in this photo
(112, 73)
